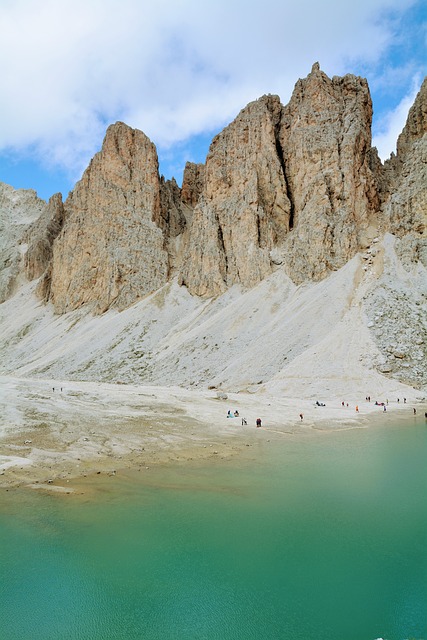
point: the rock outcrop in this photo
(296, 187)
(40, 237)
(174, 219)
(405, 207)
(288, 195)
(398, 319)
(325, 138)
(243, 210)
(192, 183)
(19, 209)
(110, 251)
(287, 185)
(416, 124)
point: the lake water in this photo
(322, 537)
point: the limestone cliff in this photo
(110, 251)
(288, 195)
(243, 210)
(296, 187)
(192, 183)
(326, 138)
(405, 207)
(398, 313)
(173, 221)
(416, 124)
(287, 185)
(40, 237)
(19, 208)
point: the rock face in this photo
(19, 209)
(296, 187)
(110, 251)
(192, 183)
(405, 207)
(243, 210)
(325, 137)
(40, 237)
(416, 124)
(398, 314)
(290, 185)
(173, 220)
(296, 190)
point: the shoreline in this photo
(54, 434)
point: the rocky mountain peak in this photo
(325, 139)
(289, 194)
(405, 200)
(416, 123)
(110, 251)
(19, 209)
(296, 187)
(243, 209)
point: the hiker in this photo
(244, 421)
(229, 414)
(415, 412)
(357, 408)
(236, 414)
(258, 422)
(385, 408)
(301, 416)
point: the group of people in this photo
(258, 422)
(383, 404)
(235, 414)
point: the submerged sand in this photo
(52, 433)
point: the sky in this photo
(181, 70)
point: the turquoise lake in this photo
(320, 536)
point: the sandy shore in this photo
(52, 433)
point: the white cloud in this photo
(173, 68)
(393, 123)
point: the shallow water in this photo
(323, 537)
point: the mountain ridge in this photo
(292, 214)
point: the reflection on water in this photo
(318, 538)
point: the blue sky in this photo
(181, 70)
